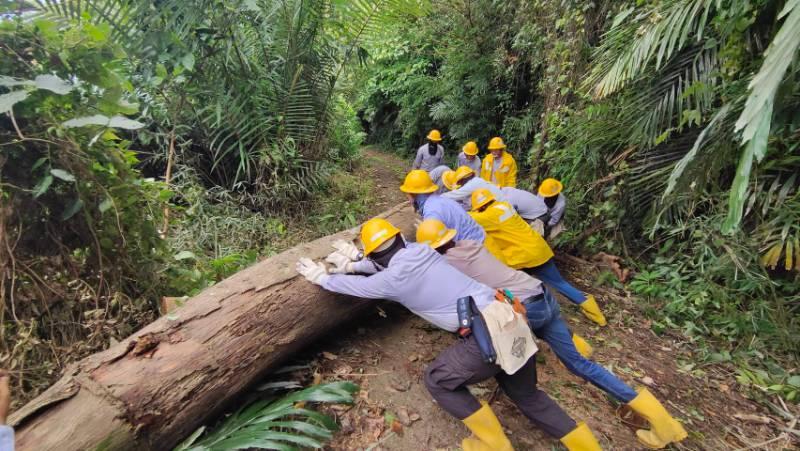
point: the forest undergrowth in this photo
(148, 152)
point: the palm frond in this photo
(756, 117)
(708, 132)
(684, 84)
(652, 37)
(276, 424)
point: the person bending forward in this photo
(419, 278)
(544, 318)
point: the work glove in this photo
(348, 249)
(342, 264)
(314, 272)
(592, 311)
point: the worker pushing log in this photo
(157, 386)
(161, 383)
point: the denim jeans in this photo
(544, 317)
(548, 273)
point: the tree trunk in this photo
(157, 386)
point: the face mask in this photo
(382, 258)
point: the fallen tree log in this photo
(157, 386)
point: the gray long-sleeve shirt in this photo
(420, 279)
(557, 212)
(425, 160)
(472, 258)
(463, 195)
(528, 205)
(436, 175)
(475, 164)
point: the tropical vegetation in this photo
(150, 149)
(673, 125)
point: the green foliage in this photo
(238, 106)
(756, 117)
(78, 218)
(665, 120)
(276, 423)
(343, 203)
(660, 142)
(467, 69)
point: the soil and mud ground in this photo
(386, 351)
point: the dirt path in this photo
(386, 173)
(387, 351)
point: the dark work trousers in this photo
(461, 365)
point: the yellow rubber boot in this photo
(487, 434)
(592, 311)
(584, 348)
(663, 428)
(581, 439)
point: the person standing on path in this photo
(499, 167)
(524, 249)
(469, 157)
(430, 154)
(417, 277)
(544, 318)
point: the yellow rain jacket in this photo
(521, 246)
(504, 174)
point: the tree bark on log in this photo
(160, 384)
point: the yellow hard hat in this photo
(449, 179)
(550, 187)
(418, 182)
(463, 171)
(434, 233)
(375, 232)
(481, 197)
(434, 135)
(470, 148)
(496, 143)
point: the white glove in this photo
(341, 263)
(348, 249)
(314, 272)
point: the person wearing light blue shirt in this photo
(420, 279)
(420, 188)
